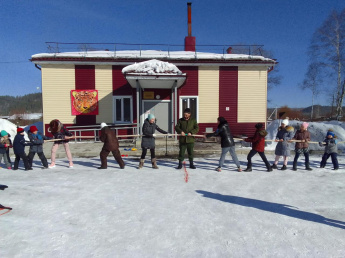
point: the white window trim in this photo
(197, 105)
(122, 114)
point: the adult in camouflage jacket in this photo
(186, 127)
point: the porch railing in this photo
(94, 129)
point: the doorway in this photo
(161, 109)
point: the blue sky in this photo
(284, 27)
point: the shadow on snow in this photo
(278, 208)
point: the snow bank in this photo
(152, 67)
(11, 128)
(8, 127)
(318, 131)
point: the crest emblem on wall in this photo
(84, 102)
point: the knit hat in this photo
(20, 130)
(305, 125)
(103, 124)
(33, 129)
(259, 125)
(187, 110)
(3, 133)
(150, 116)
(331, 133)
(285, 122)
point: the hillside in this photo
(30, 103)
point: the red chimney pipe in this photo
(189, 41)
(189, 13)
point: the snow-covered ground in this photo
(86, 212)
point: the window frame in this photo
(122, 97)
(197, 105)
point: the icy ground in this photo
(85, 212)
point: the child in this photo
(5, 144)
(60, 132)
(303, 136)
(285, 133)
(19, 150)
(111, 144)
(331, 149)
(258, 146)
(227, 143)
(37, 139)
(148, 140)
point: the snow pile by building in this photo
(318, 131)
(8, 127)
(152, 67)
(12, 128)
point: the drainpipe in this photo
(39, 68)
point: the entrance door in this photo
(162, 112)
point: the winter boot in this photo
(154, 163)
(141, 163)
(179, 165)
(283, 167)
(294, 166)
(191, 165)
(248, 169)
(307, 167)
(269, 169)
(274, 166)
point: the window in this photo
(189, 102)
(123, 109)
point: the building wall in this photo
(104, 85)
(208, 94)
(57, 83)
(252, 94)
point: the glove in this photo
(6, 145)
(154, 135)
(320, 143)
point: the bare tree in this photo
(312, 81)
(328, 47)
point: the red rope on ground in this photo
(8, 210)
(186, 176)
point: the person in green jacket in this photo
(186, 126)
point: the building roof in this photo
(128, 56)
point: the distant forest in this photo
(30, 103)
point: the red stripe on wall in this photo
(85, 77)
(228, 94)
(85, 80)
(190, 87)
(120, 84)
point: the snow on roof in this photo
(152, 67)
(129, 54)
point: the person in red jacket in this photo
(258, 146)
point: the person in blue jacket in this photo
(37, 139)
(19, 149)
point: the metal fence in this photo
(59, 47)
